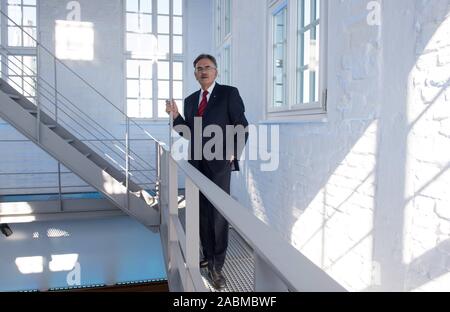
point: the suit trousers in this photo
(213, 226)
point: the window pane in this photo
(29, 36)
(314, 51)
(29, 86)
(29, 16)
(306, 87)
(227, 16)
(133, 89)
(177, 89)
(132, 108)
(146, 23)
(178, 70)
(279, 52)
(316, 88)
(133, 42)
(307, 12)
(163, 24)
(29, 65)
(163, 7)
(16, 83)
(132, 5)
(163, 90)
(178, 25)
(163, 46)
(133, 22)
(132, 69)
(29, 2)
(15, 66)
(146, 6)
(317, 9)
(146, 69)
(15, 14)
(306, 47)
(14, 37)
(163, 70)
(178, 7)
(177, 44)
(162, 109)
(146, 89)
(146, 109)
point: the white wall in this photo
(363, 194)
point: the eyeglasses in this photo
(204, 69)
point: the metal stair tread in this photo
(13, 96)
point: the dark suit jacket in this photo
(225, 107)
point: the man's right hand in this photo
(172, 107)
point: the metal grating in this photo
(239, 264)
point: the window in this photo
(279, 57)
(148, 36)
(307, 52)
(18, 46)
(296, 65)
(22, 74)
(22, 14)
(223, 40)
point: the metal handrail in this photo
(71, 103)
(70, 127)
(76, 121)
(78, 76)
(130, 154)
(279, 264)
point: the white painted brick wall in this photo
(364, 195)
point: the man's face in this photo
(205, 73)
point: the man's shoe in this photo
(217, 279)
(203, 263)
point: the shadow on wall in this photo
(347, 193)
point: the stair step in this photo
(32, 111)
(13, 96)
(88, 155)
(51, 126)
(69, 140)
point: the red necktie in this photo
(203, 104)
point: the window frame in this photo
(292, 110)
(224, 40)
(155, 59)
(19, 51)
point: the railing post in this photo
(265, 280)
(192, 225)
(173, 211)
(158, 149)
(163, 190)
(38, 101)
(127, 160)
(55, 73)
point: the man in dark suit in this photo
(220, 106)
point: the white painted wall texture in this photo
(363, 195)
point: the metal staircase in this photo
(124, 182)
(61, 144)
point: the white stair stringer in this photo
(17, 112)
